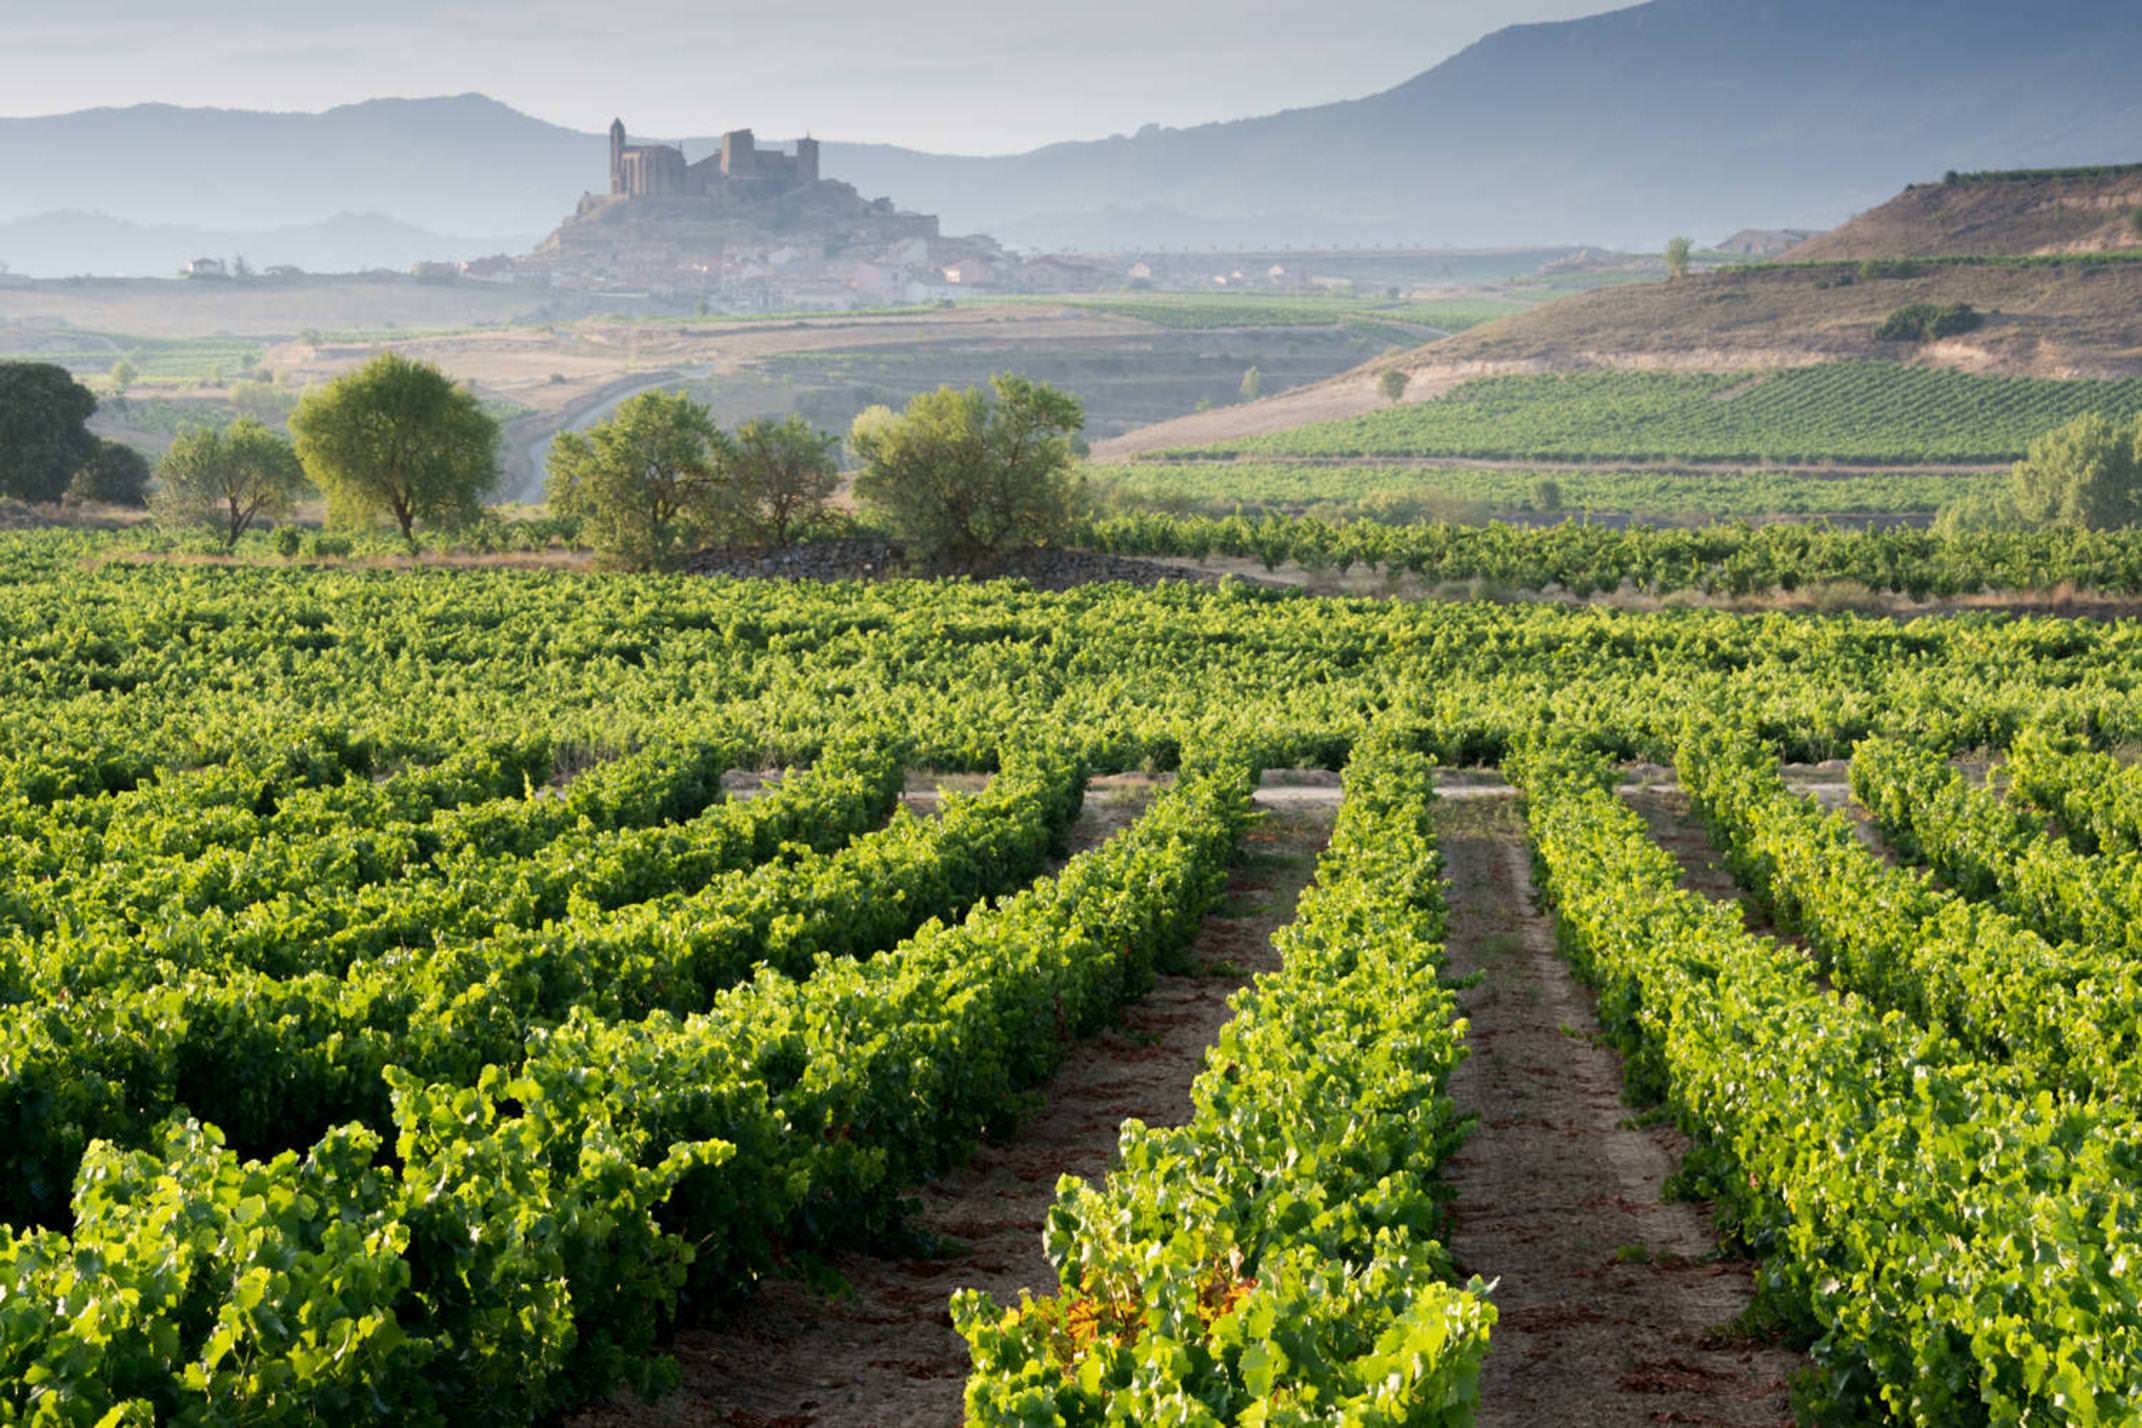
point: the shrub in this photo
(397, 438)
(1929, 322)
(1393, 384)
(117, 475)
(966, 476)
(1874, 268)
(647, 481)
(227, 479)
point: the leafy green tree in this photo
(1547, 494)
(780, 475)
(2086, 475)
(44, 430)
(966, 476)
(647, 482)
(124, 374)
(117, 475)
(228, 479)
(1678, 251)
(1252, 385)
(1393, 384)
(397, 438)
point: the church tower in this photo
(617, 156)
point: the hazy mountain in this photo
(1701, 116)
(72, 244)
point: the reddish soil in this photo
(1614, 1302)
(885, 1353)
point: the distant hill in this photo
(1993, 214)
(2053, 319)
(1695, 116)
(70, 244)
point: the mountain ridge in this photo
(1698, 116)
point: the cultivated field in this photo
(441, 997)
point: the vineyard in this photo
(1224, 487)
(447, 996)
(1867, 413)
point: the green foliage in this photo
(647, 481)
(44, 431)
(778, 477)
(1929, 322)
(1393, 383)
(1678, 251)
(117, 475)
(967, 476)
(2086, 475)
(397, 439)
(227, 479)
(1191, 1275)
(1877, 269)
(1224, 488)
(1252, 385)
(1857, 412)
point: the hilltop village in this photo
(752, 226)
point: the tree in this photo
(1252, 385)
(2086, 475)
(1677, 254)
(44, 430)
(228, 479)
(966, 476)
(647, 481)
(123, 375)
(1393, 384)
(397, 438)
(779, 475)
(117, 475)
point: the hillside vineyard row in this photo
(1869, 413)
(399, 1023)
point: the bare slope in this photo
(1994, 214)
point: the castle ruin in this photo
(739, 171)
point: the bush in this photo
(646, 481)
(227, 480)
(44, 432)
(1929, 322)
(2086, 475)
(117, 475)
(398, 439)
(966, 477)
(1874, 268)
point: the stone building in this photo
(740, 169)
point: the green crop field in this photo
(1849, 412)
(406, 1018)
(1213, 485)
(157, 361)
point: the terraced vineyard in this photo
(1872, 413)
(449, 996)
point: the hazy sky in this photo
(962, 77)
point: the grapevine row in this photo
(272, 1061)
(1952, 1240)
(1190, 1277)
(538, 1228)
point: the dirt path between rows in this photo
(1612, 1299)
(885, 1355)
